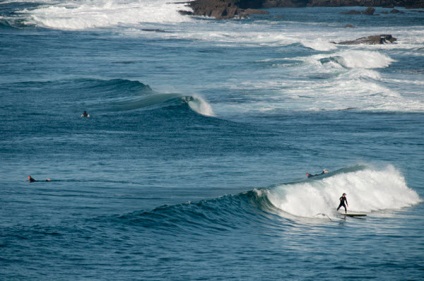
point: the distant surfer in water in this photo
(31, 179)
(343, 202)
(85, 114)
(325, 171)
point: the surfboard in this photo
(354, 215)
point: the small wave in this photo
(121, 85)
(158, 100)
(367, 189)
(221, 214)
(123, 95)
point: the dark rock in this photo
(371, 40)
(224, 9)
(284, 3)
(351, 12)
(248, 12)
(369, 11)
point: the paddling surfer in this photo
(343, 202)
(325, 171)
(31, 179)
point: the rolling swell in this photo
(222, 214)
(154, 101)
(120, 95)
(114, 95)
(133, 95)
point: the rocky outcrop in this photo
(368, 3)
(371, 40)
(225, 9)
(368, 11)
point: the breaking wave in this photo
(124, 95)
(359, 59)
(368, 190)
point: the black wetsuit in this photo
(342, 203)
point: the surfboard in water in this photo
(354, 215)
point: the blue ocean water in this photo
(192, 163)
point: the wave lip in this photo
(367, 189)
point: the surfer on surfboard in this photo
(343, 202)
(85, 114)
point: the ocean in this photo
(192, 164)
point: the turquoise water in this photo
(192, 163)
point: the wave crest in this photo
(155, 100)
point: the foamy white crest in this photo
(367, 190)
(363, 59)
(201, 106)
(82, 14)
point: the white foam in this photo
(319, 44)
(358, 59)
(365, 59)
(367, 190)
(201, 106)
(82, 14)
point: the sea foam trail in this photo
(81, 14)
(367, 190)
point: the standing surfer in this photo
(343, 202)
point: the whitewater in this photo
(370, 190)
(192, 164)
